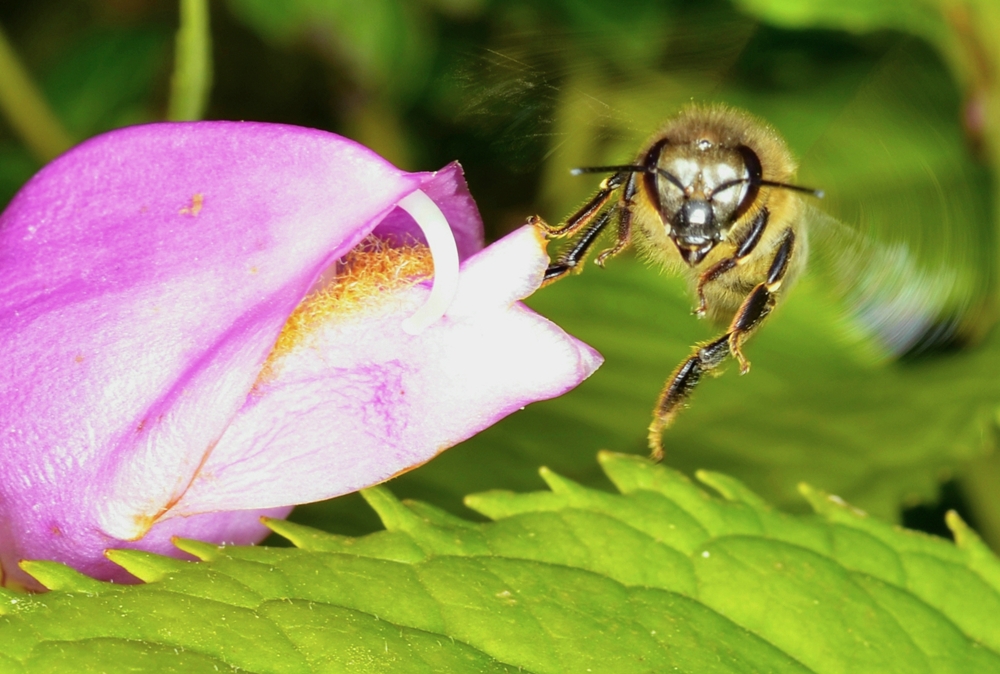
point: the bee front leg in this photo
(708, 356)
(586, 213)
(578, 250)
(743, 251)
(593, 221)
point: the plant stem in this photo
(192, 78)
(26, 109)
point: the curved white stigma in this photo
(444, 252)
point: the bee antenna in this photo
(629, 168)
(819, 194)
(632, 168)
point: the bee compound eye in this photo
(754, 174)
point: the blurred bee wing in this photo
(537, 94)
(906, 306)
(905, 235)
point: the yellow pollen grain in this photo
(365, 276)
(195, 208)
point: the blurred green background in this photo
(877, 380)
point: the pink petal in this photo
(144, 279)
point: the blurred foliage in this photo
(888, 105)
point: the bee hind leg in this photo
(678, 388)
(706, 357)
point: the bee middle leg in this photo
(708, 356)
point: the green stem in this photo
(26, 110)
(192, 77)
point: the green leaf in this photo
(102, 80)
(661, 577)
(920, 17)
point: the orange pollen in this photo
(364, 278)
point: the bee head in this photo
(701, 189)
(701, 183)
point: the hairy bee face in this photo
(701, 187)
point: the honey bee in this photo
(710, 196)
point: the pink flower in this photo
(154, 384)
